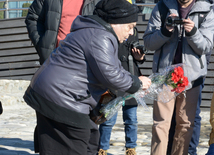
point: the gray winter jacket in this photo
(43, 21)
(75, 75)
(195, 45)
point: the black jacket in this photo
(125, 50)
(43, 21)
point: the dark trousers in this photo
(93, 145)
(196, 130)
(54, 138)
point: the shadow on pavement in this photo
(4, 151)
(16, 143)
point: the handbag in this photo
(97, 117)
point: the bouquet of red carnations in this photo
(165, 86)
(172, 79)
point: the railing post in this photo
(6, 9)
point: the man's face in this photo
(185, 2)
(123, 30)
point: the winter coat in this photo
(43, 21)
(196, 44)
(75, 75)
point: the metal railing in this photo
(7, 10)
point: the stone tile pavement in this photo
(18, 121)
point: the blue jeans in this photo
(196, 130)
(211, 150)
(197, 127)
(130, 122)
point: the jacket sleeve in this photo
(35, 20)
(155, 36)
(102, 58)
(201, 39)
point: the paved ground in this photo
(18, 122)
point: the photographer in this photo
(186, 42)
(130, 53)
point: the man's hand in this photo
(171, 28)
(146, 82)
(188, 25)
(137, 54)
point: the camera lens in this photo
(169, 21)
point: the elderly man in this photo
(70, 82)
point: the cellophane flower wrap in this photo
(165, 86)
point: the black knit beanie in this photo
(116, 11)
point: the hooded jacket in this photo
(43, 21)
(72, 79)
(196, 44)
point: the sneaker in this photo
(130, 151)
(102, 152)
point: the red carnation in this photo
(175, 78)
(179, 81)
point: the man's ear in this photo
(113, 25)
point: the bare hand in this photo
(188, 25)
(146, 82)
(171, 28)
(137, 54)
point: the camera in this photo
(173, 21)
(135, 44)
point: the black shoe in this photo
(1, 108)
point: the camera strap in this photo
(134, 41)
(130, 58)
(131, 64)
(163, 10)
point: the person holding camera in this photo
(130, 53)
(186, 41)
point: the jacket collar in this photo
(107, 26)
